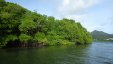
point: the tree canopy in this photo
(20, 24)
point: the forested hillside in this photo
(20, 27)
(101, 36)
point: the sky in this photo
(92, 14)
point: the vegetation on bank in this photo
(21, 27)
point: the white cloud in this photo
(76, 9)
(75, 6)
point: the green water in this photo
(96, 53)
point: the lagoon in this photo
(95, 53)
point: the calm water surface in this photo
(96, 53)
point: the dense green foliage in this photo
(101, 36)
(20, 24)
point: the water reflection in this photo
(96, 53)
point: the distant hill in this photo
(100, 35)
